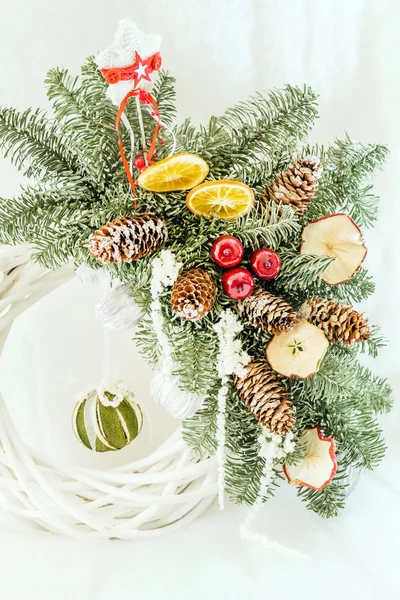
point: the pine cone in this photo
(295, 187)
(338, 322)
(267, 311)
(265, 396)
(128, 238)
(193, 294)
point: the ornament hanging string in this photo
(145, 98)
(141, 127)
(129, 128)
(107, 286)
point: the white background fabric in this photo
(219, 52)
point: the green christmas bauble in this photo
(107, 420)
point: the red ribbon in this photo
(130, 73)
(146, 98)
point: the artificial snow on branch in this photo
(231, 360)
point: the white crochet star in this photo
(128, 40)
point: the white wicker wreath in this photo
(162, 492)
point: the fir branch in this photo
(375, 391)
(265, 130)
(140, 278)
(274, 227)
(199, 432)
(26, 218)
(243, 474)
(58, 247)
(354, 158)
(194, 352)
(326, 502)
(165, 96)
(341, 187)
(93, 141)
(342, 398)
(93, 90)
(356, 289)
(300, 271)
(290, 111)
(361, 205)
(375, 342)
(244, 466)
(341, 377)
(64, 92)
(146, 341)
(35, 146)
(211, 142)
(254, 340)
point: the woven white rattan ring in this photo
(159, 493)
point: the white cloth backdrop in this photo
(219, 52)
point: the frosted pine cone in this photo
(265, 396)
(338, 322)
(296, 186)
(193, 294)
(128, 238)
(267, 311)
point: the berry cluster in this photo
(238, 283)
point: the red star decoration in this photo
(142, 68)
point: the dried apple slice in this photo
(337, 236)
(297, 352)
(318, 466)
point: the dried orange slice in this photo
(224, 199)
(177, 172)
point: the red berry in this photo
(265, 263)
(237, 283)
(227, 251)
(144, 96)
(139, 163)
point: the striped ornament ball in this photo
(107, 420)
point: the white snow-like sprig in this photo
(93, 276)
(273, 448)
(165, 386)
(165, 271)
(231, 360)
